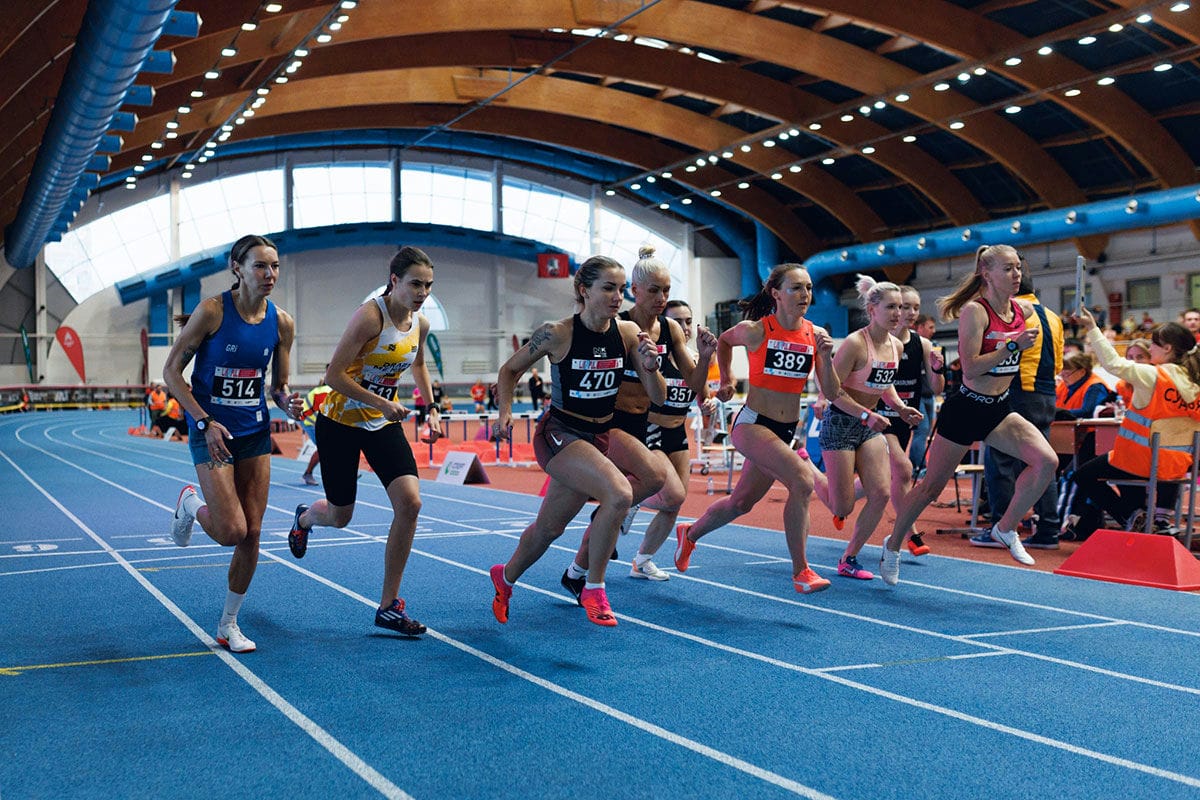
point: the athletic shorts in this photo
(968, 417)
(633, 424)
(339, 446)
(840, 431)
(668, 440)
(786, 431)
(241, 448)
(900, 429)
(553, 433)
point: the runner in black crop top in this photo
(587, 352)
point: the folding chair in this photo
(974, 469)
(1181, 434)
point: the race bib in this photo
(237, 387)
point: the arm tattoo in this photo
(188, 354)
(539, 339)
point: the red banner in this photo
(69, 339)
(554, 265)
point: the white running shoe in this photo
(1012, 540)
(231, 637)
(648, 571)
(181, 525)
(889, 564)
(627, 523)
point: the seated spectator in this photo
(1080, 392)
(171, 421)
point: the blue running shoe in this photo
(394, 619)
(298, 536)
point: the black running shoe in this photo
(573, 585)
(298, 536)
(394, 619)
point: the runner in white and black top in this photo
(587, 354)
(918, 362)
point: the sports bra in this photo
(876, 376)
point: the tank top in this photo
(784, 360)
(378, 370)
(228, 376)
(585, 383)
(663, 344)
(878, 374)
(908, 376)
(996, 336)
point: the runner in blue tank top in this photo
(588, 353)
(234, 338)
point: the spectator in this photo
(1147, 322)
(156, 401)
(308, 425)
(439, 397)
(1191, 321)
(491, 397)
(924, 327)
(535, 390)
(479, 395)
(1033, 397)
(170, 421)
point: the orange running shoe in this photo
(683, 551)
(917, 546)
(809, 582)
(595, 603)
(503, 594)
(839, 522)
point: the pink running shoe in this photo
(850, 568)
(595, 602)
(809, 582)
(503, 594)
(683, 551)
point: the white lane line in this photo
(958, 657)
(896, 697)
(719, 756)
(1082, 626)
(1057, 744)
(681, 741)
(318, 734)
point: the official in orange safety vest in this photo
(1169, 386)
(156, 401)
(1080, 391)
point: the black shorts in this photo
(634, 424)
(900, 429)
(338, 448)
(668, 440)
(968, 417)
(553, 433)
(786, 431)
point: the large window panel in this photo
(546, 215)
(213, 214)
(113, 248)
(337, 194)
(446, 196)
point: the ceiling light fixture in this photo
(1045, 50)
(909, 139)
(249, 26)
(273, 8)
(1012, 61)
(1107, 80)
(229, 52)
(941, 87)
(1086, 40)
(814, 126)
(1012, 110)
(902, 98)
(868, 150)
(1073, 92)
(957, 125)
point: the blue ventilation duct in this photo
(1148, 210)
(114, 41)
(1105, 216)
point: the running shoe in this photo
(230, 636)
(917, 546)
(889, 564)
(298, 536)
(503, 593)
(1040, 542)
(181, 525)
(683, 551)
(309, 479)
(648, 570)
(986, 539)
(1012, 541)
(850, 568)
(839, 522)
(394, 619)
(809, 582)
(627, 523)
(595, 602)
(573, 585)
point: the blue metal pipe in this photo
(123, 121)
(1146, 210)
(139, 95)
(114, 40)
(159, 62)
